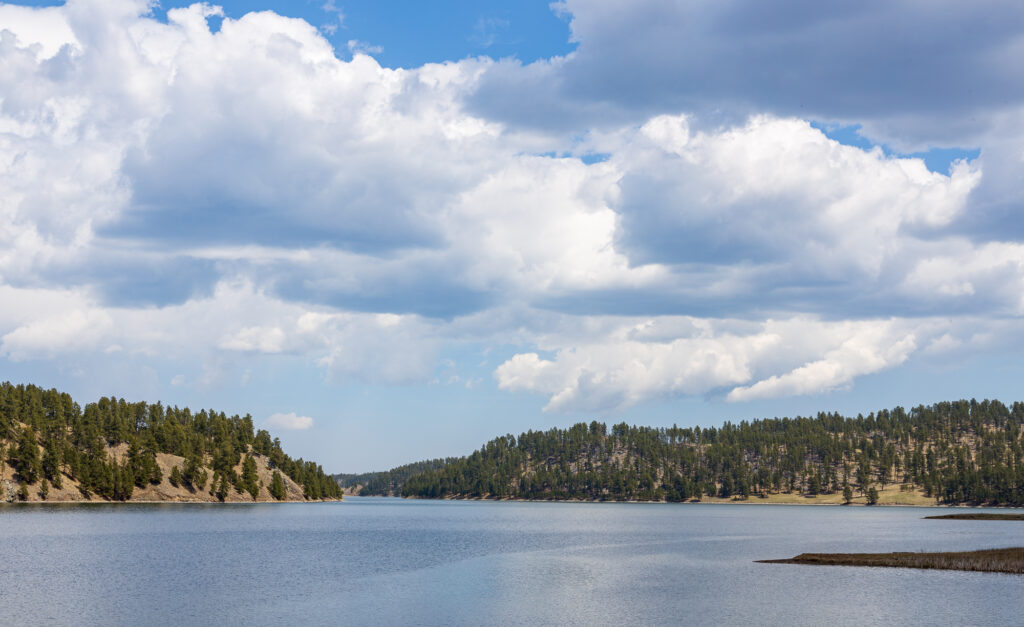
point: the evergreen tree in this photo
(249, 477)
(124, 481)
(191, 474)
(199, 479)
(277, 489)
(156, 476)
(813, 484)
(51, 460)
(222, 488)
(28, 464)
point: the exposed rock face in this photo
(8, 491)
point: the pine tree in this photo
(277, 489)
(124, 481)
(175, 477)
(104, 476)
(190, 475)
(222, 489)
(156, 476)
(813, 484)
(199, 480)
(51, 460)
(28, 465)
(249, 477)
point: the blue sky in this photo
(394, 230)
(408, 33)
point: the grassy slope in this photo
(889, 495)
(164, 491)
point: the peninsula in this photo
(1009, 560)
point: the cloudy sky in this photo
(393, 230)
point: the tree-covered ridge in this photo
(956, 452)
(389, 482)
(110, 448)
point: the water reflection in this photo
(386, 561)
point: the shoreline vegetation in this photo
(977, 516)
(54, 450)
(803, 502)
(899, 499)
(1008, 560)
(961, 453)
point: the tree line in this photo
(389, 482)
(955, 452)
(47, 437)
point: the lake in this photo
(371, 561)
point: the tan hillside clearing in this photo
(162, 492)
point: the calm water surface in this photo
(371, 561)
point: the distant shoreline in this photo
(151, 502)
(701, 502)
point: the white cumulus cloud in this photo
(776, 358)
(207, 198)
(290, 422)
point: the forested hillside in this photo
(389, 482)
(953, 452)
(51, 448)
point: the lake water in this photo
(371, 561)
